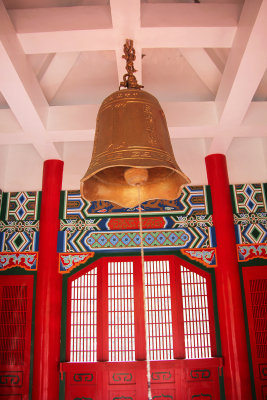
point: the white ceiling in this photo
(205, 62)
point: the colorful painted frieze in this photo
(249, 198)
(84, 241)
(19, 241)
(248, 252)
(69, 261)
(193, 201)
(21, 206)
(27, 261)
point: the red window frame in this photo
(139, 317)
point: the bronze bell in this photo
(132, 158)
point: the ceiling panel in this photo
(168, 75)
(92, 78)
(205, 61)
(22, 168)
(246, 160)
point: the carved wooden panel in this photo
(170, 380)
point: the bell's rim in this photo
(160, 185)
(94, 172)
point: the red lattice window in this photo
(121, 311)
(158, 310)
(13, 313)
(196, 315)
(83, 336)
(258, 296)
(16, 294)
(255, 284)
(107, 311)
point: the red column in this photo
(49, 289)
(230, 307)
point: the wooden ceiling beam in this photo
(79, 120)
(21, 89)
(67, 29)
(246, 64)
(245, 67)
(126, 24)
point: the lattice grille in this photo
(13, 310)
(158, 310)
(258, 294)
(116, 325)
(196, 315)
(121, 311)
(83, 336)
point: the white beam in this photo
(221, 141)
(83, 117)
(184, 15)
(104, 39)
(204, 67)
(12, 56)
(31, 20)
(20, 88)
(187, 37)
(246, 64)
(67, 41)
(126, 24)
(65, 29)
(77, 122)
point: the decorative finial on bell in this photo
(129, 80)
(132, 157)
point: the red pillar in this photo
(230, 307)
(49, 289)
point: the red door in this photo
(107, 339)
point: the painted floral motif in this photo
(27, 260)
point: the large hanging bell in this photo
(132, 158)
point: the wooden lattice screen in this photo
(107, 343)
(255, 282)
(16, 293)
(104, 324)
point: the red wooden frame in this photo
(207, 276)
(173, 380)
(140, 339)
(140, 331)
(177, 306)
(70, 280)
(102, 312)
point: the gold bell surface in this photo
(132, 158)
